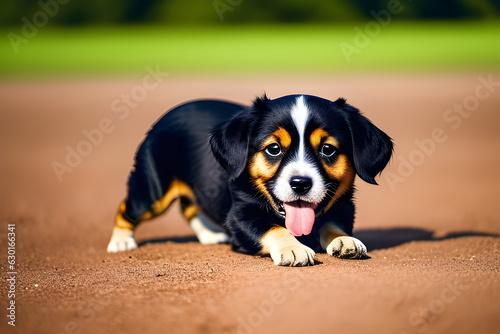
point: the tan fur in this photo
(285, 249)
(337, 243)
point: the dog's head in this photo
(301, 153)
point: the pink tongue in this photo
(299, 217)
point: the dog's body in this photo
(275, 178)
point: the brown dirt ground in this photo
(432, 231)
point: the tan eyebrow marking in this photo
(320, 136)
(281, 136)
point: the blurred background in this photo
(79, 13)
(81, 82)
(68, 37)
(67, 65)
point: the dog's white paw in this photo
(347, 248)
(121, 240)
(296, 255)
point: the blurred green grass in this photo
(401, 46)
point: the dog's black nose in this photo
(301, 184)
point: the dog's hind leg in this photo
(206, 230)
(122, 237)
(127, 218)
(152, 188)
(208, 233)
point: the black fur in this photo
(206, 144)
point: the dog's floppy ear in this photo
(371, 147)
(230, 142)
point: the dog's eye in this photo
(328, 150)
(273, 150)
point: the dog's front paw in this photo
(293, 256)
(285, 249)
(345, 247)
(121, 240)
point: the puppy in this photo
(275, 178)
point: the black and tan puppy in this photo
(275, 178)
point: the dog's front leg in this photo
(254, 231)
(285, 249)
(337, 243)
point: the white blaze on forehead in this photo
(300, 114)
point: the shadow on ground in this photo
(177, 240)
(375, 239)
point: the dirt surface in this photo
(432, 226)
